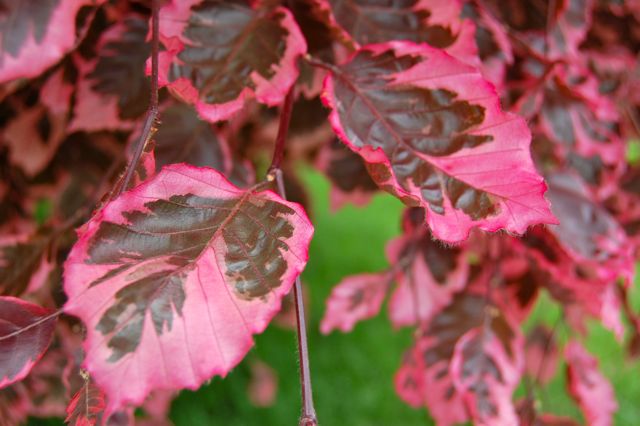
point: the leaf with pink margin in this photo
(354, 299)
(185, 269)
(24, 266)
(586, 384)
(437, 23)
(219, 55)
(86, 407)
(112, 88)
(486, 372)
(541, 354)
(35, 132)
(35, 34)
(568, 29)
(429, 276)
(26, 331)
(424, 378)
(457, 154)
(494, 48)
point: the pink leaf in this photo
(86, 406)
(424, 378)
(35, 34)
(112, 87)
(355, 298)
(25, 334)
(174, 277)
(24, 266)
(541, 356)
(263, 386)
(256, 50)
(456, 154)
(429, 277)
(485, 374)
(591, 390)
(437, 23)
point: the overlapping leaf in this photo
(220, 54)
(23, 263)
(26, 330)
(186, 268)
(433, 133)
(86, 406)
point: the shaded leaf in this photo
(541, 354)
(221, 54)
(23, 263)
(355, 298)
(263, 385)
(456, 154)
(25, 333)
(586, 384)
(187, 268)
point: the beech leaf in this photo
(432, 132)
(174, 277)
(221, 54)
(586, 384)
(26, 331)
(355, 298)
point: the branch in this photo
(150, 120)
(275, 174)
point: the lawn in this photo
(353, 373)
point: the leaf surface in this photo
(455, 153)
(174, 277)
(25, 335)
(221, 54)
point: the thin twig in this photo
(275, 174)
(152, 114)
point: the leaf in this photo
(429, 277)
(112, 87)
(348, 174)
(86, 406)
(24, 266)
(36, 131)
(26, 330)
(456, 154)
(591, 390)
(541, 354)
(486, 374)
(263, 386)
(183, 137)
(173, 278)
(35, 34)
(424, 378)
(355, 298)
(221, 54)
(362, 22)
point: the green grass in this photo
(353, 373)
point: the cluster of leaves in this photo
(461, 109)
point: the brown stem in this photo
(275, 174)
(150, 120)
